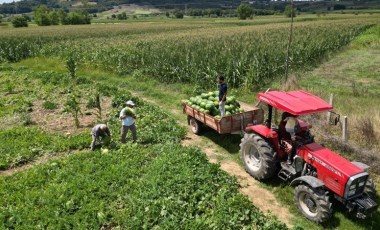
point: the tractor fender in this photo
(309, 180)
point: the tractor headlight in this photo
(351, 192)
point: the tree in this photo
(289, 10)
(63, 17)
(19, 21)
(41, 16)
(244, 11)
(122, 16)
(179, 14)
(54, 17)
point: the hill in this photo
(26, 6)
(95, 6)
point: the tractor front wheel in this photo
(195, 125)
(313, 203)
(258, 156)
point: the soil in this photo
(61, 122)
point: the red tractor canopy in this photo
(295, 102)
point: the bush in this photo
(179, 14)
(19, 21)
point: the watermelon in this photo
(209, 106)
(204, 95)
(128, 111)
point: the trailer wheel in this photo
(195, 125)
(370, 188)
(313, 203)
(258, 157)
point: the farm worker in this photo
(100, 130)
(222, 95)
(287, 129)
(128, 116)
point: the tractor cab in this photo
(293, 104)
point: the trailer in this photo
(234, 124)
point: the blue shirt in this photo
(222, 91)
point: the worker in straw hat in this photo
(100, 131)
(128, 116)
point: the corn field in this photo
(250, 56)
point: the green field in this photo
(158, 183)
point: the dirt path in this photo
(260, 197)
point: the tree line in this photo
(43, 16)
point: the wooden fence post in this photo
(345, 129)
(331, 103)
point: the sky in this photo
(8, 1)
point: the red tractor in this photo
(317, 173)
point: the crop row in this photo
(249, 56)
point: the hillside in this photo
(26, 6)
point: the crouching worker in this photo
(128, 116)
(100, 131)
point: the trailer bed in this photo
(234, 123)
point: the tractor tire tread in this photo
(325, 210)
(269, 165)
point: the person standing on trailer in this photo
(222, 95)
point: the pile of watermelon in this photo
(209, 103)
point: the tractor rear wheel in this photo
(258, 156)
(313, 203)
(195, 125)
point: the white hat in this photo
(130, 103)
